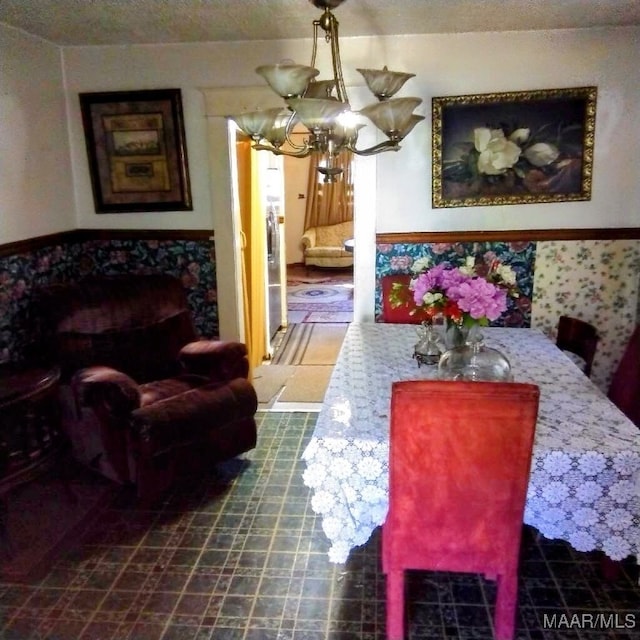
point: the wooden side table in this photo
(30, 435)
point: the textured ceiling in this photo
(93, 22)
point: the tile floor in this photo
(241, 556)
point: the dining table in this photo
(584, 485)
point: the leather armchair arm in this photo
(219, 360)
(309, 238)
(192, 415)
(111, 393)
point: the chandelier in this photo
(322, 106)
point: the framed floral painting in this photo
(136, 150)
(520, 147)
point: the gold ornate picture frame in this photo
(519, 147)
(136, 150)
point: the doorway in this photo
(314, 294)
(228, 250)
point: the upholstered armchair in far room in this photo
(324, 245)
(144, 400)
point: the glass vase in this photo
(429, 347)
(455, 335)
(474, 361)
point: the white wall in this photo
(444, 65)
(35, 170)
(397, 192)
(494, 62)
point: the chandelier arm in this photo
(302, 153)
(288, 131)
(387, 145)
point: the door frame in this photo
(219, 104)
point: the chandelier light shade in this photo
(322, 106)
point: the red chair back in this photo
(579, 337)
(459, 462)
(406, 313)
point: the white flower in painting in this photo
(541, 154)
(616, 547)
(497, 154)
(520, 136)
(592, 463)
(588, 491)
(583, 541)
(555, 492)
(322, 502)
(557, 463)
(370, 468)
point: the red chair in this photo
(624, 390)
(406, 313)
(459, 462)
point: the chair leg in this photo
(395, 605)
(506, 600)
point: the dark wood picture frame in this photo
(137, 151)
(519, 147)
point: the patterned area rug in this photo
(320, 297)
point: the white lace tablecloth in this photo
(585, 477)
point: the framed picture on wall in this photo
(136, 150)
(519, 147)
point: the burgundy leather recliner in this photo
(143, 398)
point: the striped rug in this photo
(311, 344)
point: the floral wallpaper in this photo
(190, 260)
(398, 258)
(596, 281)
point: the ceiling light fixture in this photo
(322, 106)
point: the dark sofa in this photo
(143, 398)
